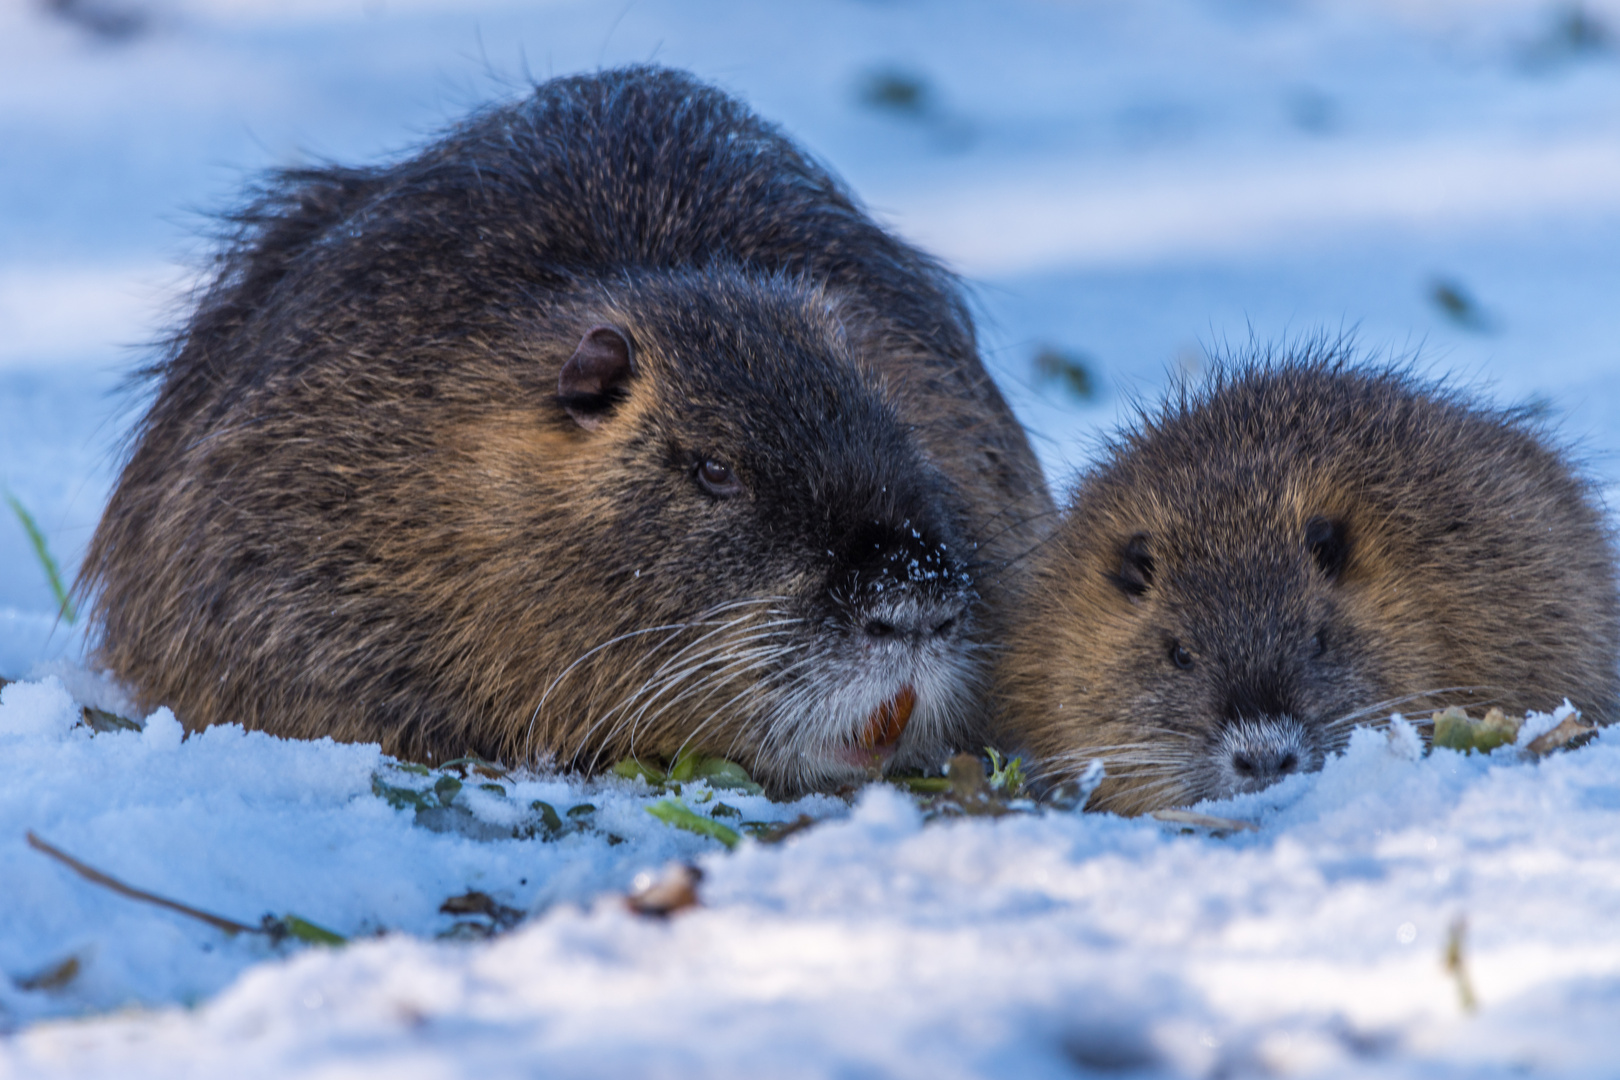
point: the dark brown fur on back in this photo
(1303, 545)
(360, 507)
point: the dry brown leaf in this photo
(779, 832)
(478, 903)
(55, 977)
(674, 890)
(1572, 732)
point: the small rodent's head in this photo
(1225, 650)
(1300, 547)
(746, 552)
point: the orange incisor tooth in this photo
(888, 721)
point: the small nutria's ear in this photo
(1135, 571)
(595, 377)
(1330, 545)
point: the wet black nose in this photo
(902, 584)
(1261, 764)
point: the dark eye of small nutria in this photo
(1319, 642)
(1180, 656)
(716, 478)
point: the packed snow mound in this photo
(241, 824)
(874, 943)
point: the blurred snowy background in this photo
(1129, 186)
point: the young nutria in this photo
(608, 424)
(1304, 545)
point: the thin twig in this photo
(1204, 821)
(90, 873)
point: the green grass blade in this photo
(43, 554)
(673, 813)
(308, 932)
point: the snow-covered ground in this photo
(1135, 183)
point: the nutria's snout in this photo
(900, 605)
(1251, 755)
(905, 589)
(911, 623)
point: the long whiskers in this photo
(670, 631)
(1379, 712)
(712, 662)
(720, 667)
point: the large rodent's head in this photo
(742, 550)
(1297, 548)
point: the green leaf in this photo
(1454, 729)
(673, 813)
(493, 789)
(1497, 729)
(55, 977)
(306, 931)
(726, 775)
(926, 785)
(400, 798)
(42, 552)
(473, 761)
(446, 788)
(725, 810)
(774, 832)
(548, 817)
(630, 768)
(1008, 779)
(583, 810)
(1071, 370)
(102, 721)
(685, 767)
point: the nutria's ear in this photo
(595, 378)
(1135, 571)
(1329, 544)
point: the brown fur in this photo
(362, 507)
(1457, 559)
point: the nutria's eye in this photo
(1180, 656)
(1319, 642)
(716, 478)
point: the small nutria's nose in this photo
(1265, 763)
(913, 619)
(1254, 754)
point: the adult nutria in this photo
(607, 424)
(1300, 546)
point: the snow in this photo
(241, 824)
(1138, 184)
(872, 944)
